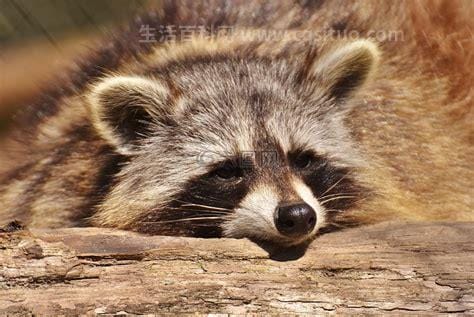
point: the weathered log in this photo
(387, 268)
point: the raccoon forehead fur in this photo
(137, 135)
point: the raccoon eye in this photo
(228, 171)
(303, 160)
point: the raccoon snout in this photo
(295, 220)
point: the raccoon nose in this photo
(295, 220)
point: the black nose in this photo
(295, 220)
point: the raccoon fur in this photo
(273, 138)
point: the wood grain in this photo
(384, 269)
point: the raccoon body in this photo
(278, 128)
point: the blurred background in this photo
(38, 38)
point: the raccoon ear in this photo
(342, 70)
(123, 109)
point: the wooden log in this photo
(424, 268)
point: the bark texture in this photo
(384, 269)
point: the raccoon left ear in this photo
(344, 69)
(124, 108)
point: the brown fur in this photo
(414, 124)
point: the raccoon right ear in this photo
(123, 109)
(341, 71)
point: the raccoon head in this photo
(235, 146)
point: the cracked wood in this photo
(388, 268)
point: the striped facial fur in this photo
(233, 146)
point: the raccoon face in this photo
(233, 146)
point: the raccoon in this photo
(278, 129)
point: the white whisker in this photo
(182, 220)
(336, 194)
(217, 212)
(189, 204)
(336, 198)
(334, 185)
(205, 206)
